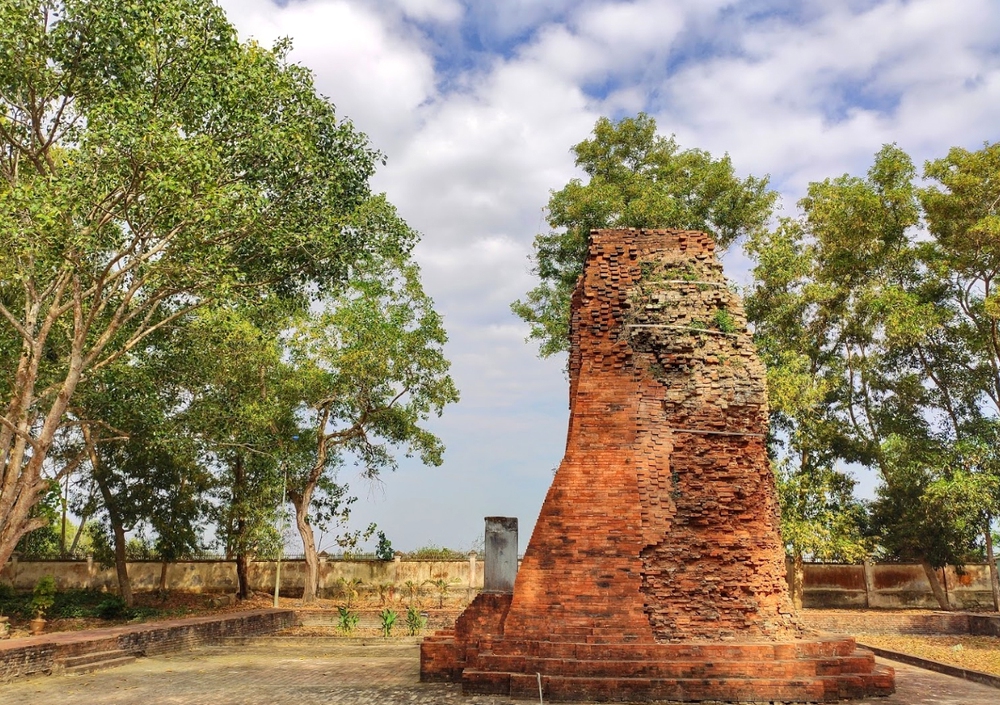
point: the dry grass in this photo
(978, 653)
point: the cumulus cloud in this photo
(805, 101)
(373, 69)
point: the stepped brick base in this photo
(656, 568)
(824, 669)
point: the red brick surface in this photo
(655, 570)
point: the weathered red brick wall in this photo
(662, 518)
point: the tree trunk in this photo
(243, 575)
(239, 528)
(797, 580)
(992, 561)
(62, 530)
(78, 534)
(301, 502)
(121, 566)
(939, 594)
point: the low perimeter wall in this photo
(47, 653)
(220, 576)
(893, 586)
(871, 586)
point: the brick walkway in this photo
(282, 671)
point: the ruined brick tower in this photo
(655, 570)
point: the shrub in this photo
(348, 620)
(43, 596)
(414, 621)
(112, 607)
(724, 321)
(384, 549)
(432, 552)
(388, 619)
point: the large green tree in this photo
(241, 410)
(373, 372)
(860, 320)
(149, 163)
(962, 207)
(636, 179)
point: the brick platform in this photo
(46, 654)
(655, 571)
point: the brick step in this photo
(95, 661)
(880, 682)
(800, 668)
(562, 688)
(687, 651)
(441, 635)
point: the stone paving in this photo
(301, 671)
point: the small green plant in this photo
(388, 619)
(723, 320)
(682, 271)
(349, 589)
(414, 621)
(43, 596)
(413, 591)
(698, 325)
(441, 586)
(347, 620)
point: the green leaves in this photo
(638, 179)
(375, 360)
(152, 165)
(880, 346)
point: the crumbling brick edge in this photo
(46, 654)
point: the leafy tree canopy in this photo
(637, 179)
(150, 163)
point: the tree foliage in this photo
(373, 371)
(878, 341)
(637, 179)
(150, 163)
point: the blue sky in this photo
(477, 103)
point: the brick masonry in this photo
(47, 653)
(655, 570)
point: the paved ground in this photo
(324, 671)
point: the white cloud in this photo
(806, 102)
(374, 73)
(436, 10)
